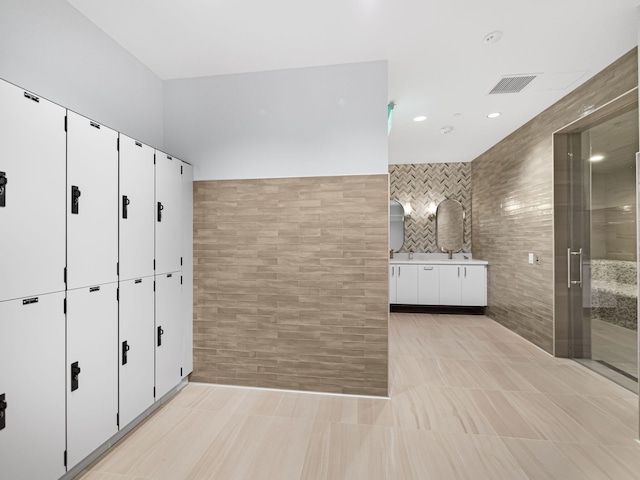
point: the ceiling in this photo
(439, 63)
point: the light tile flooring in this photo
(469, 400)
(617, 346)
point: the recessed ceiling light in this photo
(446, 129)
(596, 158)
(420, 118)
(494, 115)
(492, 37)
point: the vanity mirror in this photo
(396, 225)
(450, 226)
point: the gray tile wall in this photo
(429, 183)
(513, 206)
(291, 283)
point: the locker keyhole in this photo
(160, 208)
(3, 189)
(160, 333)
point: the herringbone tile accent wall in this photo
(424, 186)
(291, 283)
(513, 206)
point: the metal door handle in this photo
(428, 268)
(398, 271)
(393, 271)
(569, 255)
(465, 272)
(458, 272)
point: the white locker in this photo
(137, 209)
(136, 352)
(168, 333)
(32, 198)
(168, 213)
(92, 360)
(32, 441)
(187, 268)
(92, 208)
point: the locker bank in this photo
(96, 286)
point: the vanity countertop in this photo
(435, 259)
(453, 261)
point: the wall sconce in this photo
(407, 210)
(431, 210)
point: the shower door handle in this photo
(569, 255)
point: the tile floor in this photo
(469, 400)
(617, 346)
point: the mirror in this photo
(396, 225)
(450, 226)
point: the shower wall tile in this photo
(513, 206)
(291, 283)
(424, 185)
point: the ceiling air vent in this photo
(512, 84)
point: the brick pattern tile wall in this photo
(513, 206)
(291, 283)
(425, 185)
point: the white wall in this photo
(49, 48)
(320, 121)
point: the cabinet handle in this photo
(3, 189)
(398, 271)
(75, 200)
(458, 272)
(465, 272)
(393, 271)
(428, 268)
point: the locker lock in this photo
(125, 350)
(160, 333)
(125, 204)
(75, 200)
(75, 372)
(160, 208)
(3, 189)
(3, 407)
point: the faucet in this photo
(450, 253)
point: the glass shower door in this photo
(602, 252)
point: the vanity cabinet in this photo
(438, 283)
(403, 284)
(428, 285)
(462, 285)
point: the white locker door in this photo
(32, 442)
(32, 198)
(137, 209)
(136, 348)
(92, 232)
(168, 213)
(92, 347)
(168, 333)
(187, 268)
